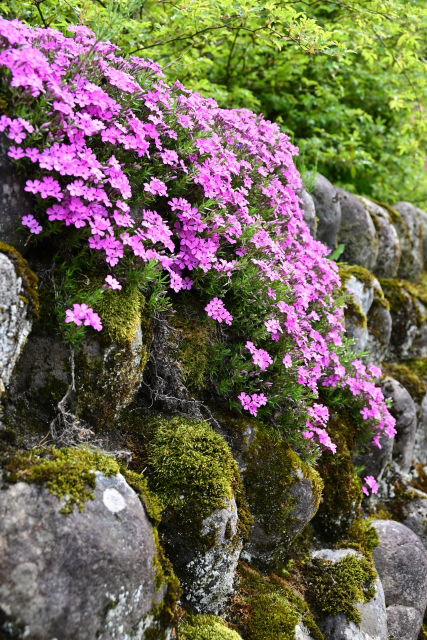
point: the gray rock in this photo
(410, 241)
(363, 295)
(420, 449)
(83, 576)
(301, 633)
(422, 219)
(379, 325)
(403, 409)
(415, 513)
(106, 379)
(404, 325)
(328, 211)
(418, 348)
(15, 319)
(207, 576)
(402, 622)
(309, 211)
(401, 562)
(373, 625)
(14, 201)
(283, 495)
(389, 251)
(374, 459)
(357, 232)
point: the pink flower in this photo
(371, 482)
(287, 361)
(31, 222)
(216, 310)
(112, 282)
(156, 187)
(82, 313)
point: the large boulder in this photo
(389, 251)
(14, 201)
(404, 317)
(409, 231)
(379, 324)
(309, 211)
(415, 515)
(401, 562)
(357, 232)
(93, 384)
(328, 211)
(18, 304)
(283, 495)
(373, 623)
(90, 574)
(403, 409)
(205, 516)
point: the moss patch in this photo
(415, 386)
(342, 494)
(199, 627)
(193, 354)
(335, 588)
(66, 472)
(362, 274)
(266, 608)
(361, 536)
(121, 314)
(355, 313)
(193, 473)
(29, 279)
(272, 470)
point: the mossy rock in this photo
(404, 373)
(283, 495)
(335, 587)
(29, 278)
(205, 514)
(199, 627)
(266, 608)
(405, 318)
(342, 493)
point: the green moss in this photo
(121, 314)
(267, 609)
(355, 313)
(395, 294)
(342, 493)
(419, 367)
(29, 279)
(272, 470)
(194, 350)
(193, 473)
(199, 627)
(66, 472)
(406, 376)
(139, 484)
(362, 274)
(335, 588)
(361, 536)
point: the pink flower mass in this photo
(236, 158)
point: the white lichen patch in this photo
(113, 500)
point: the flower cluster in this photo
(223, 199)
(81, 313)
(216, 310)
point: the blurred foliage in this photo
(346, 79)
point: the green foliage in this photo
(345, 79)
(335, 588)
(67, 473)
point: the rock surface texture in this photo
(403, 409)
(309, 211)
(389, 251)
(14, 201)
(357, 232)
(410, 240)
(328, 211)
(83, 576)
(15, 318)
(415, 514)
(401, 562)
